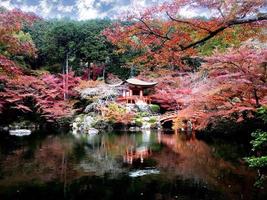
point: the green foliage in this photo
(23, 37)
(260, 181)
(154, 108)
(260, 140)
(221, 42)
(152, 120)
(142, 114)
(262, 113)
(138, 122)
(81, 40)
(259, 144)
(257, 162)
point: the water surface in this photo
(148, 165)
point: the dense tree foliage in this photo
(259, 148)
(232, 80)
(159, 38)
(166, 37)
(82, 42)
(79, 41)
(12, 40)
(27, 91)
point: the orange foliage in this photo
(165, 37)
(88, 84)
(117, 114)
(231, 85)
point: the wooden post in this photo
(131, 95)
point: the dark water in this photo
(148, 165)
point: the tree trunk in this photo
(256, 97)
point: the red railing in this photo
(134, 99)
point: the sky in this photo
(77, 9)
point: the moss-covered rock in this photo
(154, 108)
(102, 124)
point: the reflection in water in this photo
(143, 172)
(168, 160)
(139, 151)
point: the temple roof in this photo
(138, 82)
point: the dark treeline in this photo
(79, 41)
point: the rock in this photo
(88, 120)
(158, 126)
(5, 128)
(20, 132)
(146, 119)
(142, 106)
(101, 124)
(92, 131)
(102, 91)
(75, 126)
(138, 173)
(90, 108)
(134, 129)
(146, 126)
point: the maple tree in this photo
(42, 94)
(25, 91)
(230, 85)
(166, 38)
(11, 40)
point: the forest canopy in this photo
(196, 60)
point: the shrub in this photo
(259, 146)
(154, 108)
(152, 120)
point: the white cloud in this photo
(189, 12)
(86, 9)
(29, 8)
(107, 1)
(65, 9)
(134, 7)
(89, 9)
(46, 8)
(7, 4)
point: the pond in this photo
(147, 165)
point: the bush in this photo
(138, 122)
(259, 146)
(117, 114)
(152, 120)
(154, 108)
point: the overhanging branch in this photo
(229, 24)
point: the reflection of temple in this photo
(132, 154)
(135, 91)
(140, 152)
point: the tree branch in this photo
(152, 32)
(222, 28)
(187, 22)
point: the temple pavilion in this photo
(135, 90)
